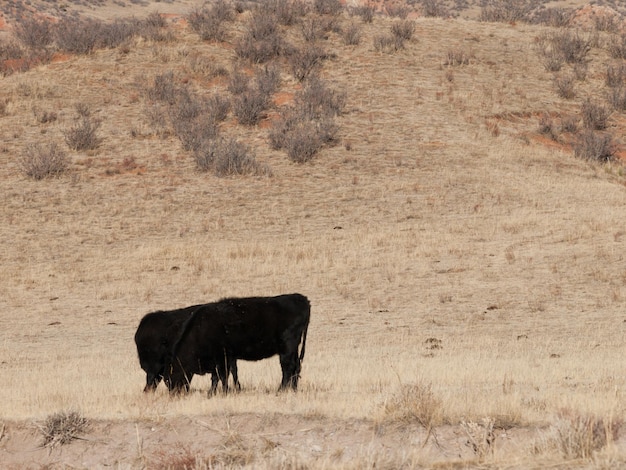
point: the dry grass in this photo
(427, 225)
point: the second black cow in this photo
(249, 328)
(155, 337)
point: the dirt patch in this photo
(252, 440)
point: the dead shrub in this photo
(397, 10)
(261, 41)
(617, 46)
(287, 12)
(44, 117)
(249, 106)
(226, 157)
(403, 29)
(564, 85)
(34, 32)
(365, 12)
(547, 127)
(77, 35)
(62, 428)
(118, 32)
(327, 7)
(573, 46)
(616, 75)
(435, 9)
(315, 28)
(218, 107)
(302, 142)
(595, 115)
(506, 11)
(83, 135)
(163, 88)
(39, 161)
(595, 146)
(617, 98)
(303, 62)
(208, 21)
(239, 82)
(267, 79)
(569, 124)
(352, 34)
(556, 17)
(579, 436)
(317, 100)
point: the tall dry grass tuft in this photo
(414, 404)
(575, 435)
(480, 437)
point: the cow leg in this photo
(232, 367)
(290, 365)
(222, 373)
(152, 381)
(214, 381)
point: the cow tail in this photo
(303, 342)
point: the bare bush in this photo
(327, 7)
(506, 11)
(435, 9)
(547, 127)
(573, 46)
(261, 41)
(44, 117)
(616, 75)
(556, 17)
(317, 100)
(83, 135)
(397, 10)
(118, 32)
(315, 28)
(365, 12)
(564, 85)
(267, 79)
(39, 161)
(287, 12)
(227, 157)
(403, 29)
(218, 106)
(208, 21)
(163, 88)
(606, 22)
(77, 35)
(351, 35)
(617, 98)
(569, 124)
(596, 146)
(305, 61)
(595, 115)
(34, 32)
(250, 106)
(617, 46)
(302, 142)
(62, 428)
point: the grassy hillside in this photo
(462, 254)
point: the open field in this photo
(465, 269)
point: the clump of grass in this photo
(457, 56)
(62, 428)
(506, 11)
(39, 161)
(327, 7)
(617, 46)
(435, 9)
(415, 403)
(579, 436)
(403, 30)
(351, 34)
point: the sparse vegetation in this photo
(446, 176)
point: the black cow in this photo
(155, 338)
(251, 328)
